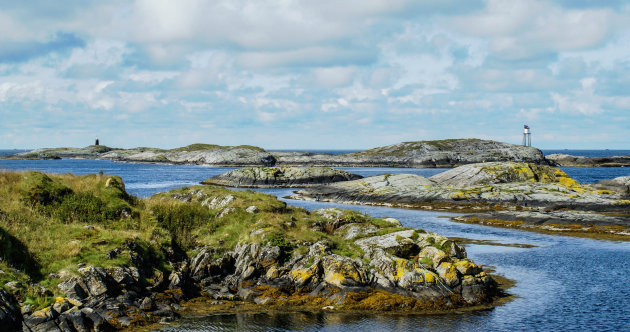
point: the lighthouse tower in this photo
(96, 143)
(527, 136)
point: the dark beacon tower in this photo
(96, 143)
(527, 136)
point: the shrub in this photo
(279, 240)
(81, 207)
(39, 189)
(180, 220)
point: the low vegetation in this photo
(202, 147)
(51, 225)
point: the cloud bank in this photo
(313, 74)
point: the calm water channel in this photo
(563, 283)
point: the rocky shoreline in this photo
(567, 160)
(143, 259)
(506, 194)
(428, 154)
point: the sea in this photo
(562, 283)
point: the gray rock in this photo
(350, 231)
(252, 209)
(619, 185)
(10, 314)
(74, 288)
(506, 183)
(443, 153)
(398, 243)
(96, 280)
(560, 159)
(275, 177)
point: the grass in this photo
(52, 224)
(201, 147)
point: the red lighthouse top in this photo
(526, 127)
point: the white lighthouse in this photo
(527, 136)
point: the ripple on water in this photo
(563, 283)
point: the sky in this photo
(279, 74)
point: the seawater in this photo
(562, 283)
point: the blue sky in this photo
(314, 74)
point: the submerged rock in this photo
(274, 177)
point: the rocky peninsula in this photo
(559, 159)
(79, 253)
(440, 153)
(505, 194)
(280, 177)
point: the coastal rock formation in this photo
(10, 315)
(276, 177)
(498, 187)
(115, 261)
(198, 154)
(442, 153)
(92, 151)
(620, 185)
(559, 159)
(498, 182)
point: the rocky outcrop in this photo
(513, 183)
(92, 151)
(620, 185)
(425, 268)
(442, 153)
(405, 269)
(198, 155)
(276, 177)
(534, 191)
(103, 299)
(10, 315)
(559, 159)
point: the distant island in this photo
(440, 153)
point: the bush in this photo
(39, 189)
(81, 207)
(180, 220)
(278, 239)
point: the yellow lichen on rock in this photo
(448, 272)
(429, 277)
(302, 276)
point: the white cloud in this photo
(331, 77)
(99, 52)
(582, 101)
(521, 29)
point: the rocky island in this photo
(440, 153)
(280, 177)
(79, 253)
(507, 194)
(560, 159)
